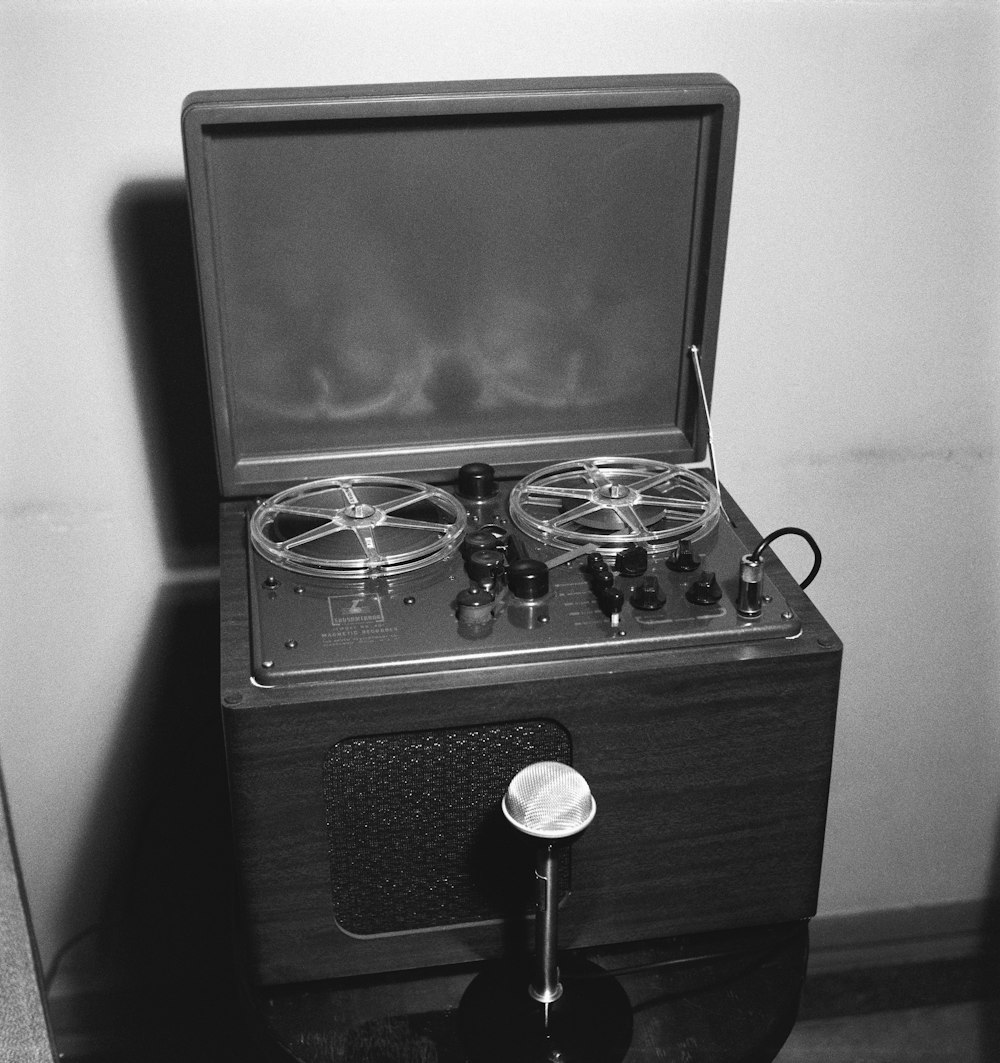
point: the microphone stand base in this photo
(590, 1023)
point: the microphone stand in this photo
(573, 1013)
(545, 987)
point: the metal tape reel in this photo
(357, 526)
(615, 502)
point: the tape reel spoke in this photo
(414, 525)
(407, 500)
(679, 508)
(595, 475)
(576, 514)
(299, 511)
(311, 536)
(631, 518)
(368, 546)
(657, 481)
(546, 495)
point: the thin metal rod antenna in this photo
(696, 362)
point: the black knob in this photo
(474, 606)
(632, 561)
(683, 559)
(648, 595)
(488, 537)
(528, 579)
(477, 480)
(485, 566)
(705, 590)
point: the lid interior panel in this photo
(403, 293)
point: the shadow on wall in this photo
(155, 976)
(152, 976)
(151, 237)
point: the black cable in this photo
(817, 555)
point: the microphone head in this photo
(549, 800)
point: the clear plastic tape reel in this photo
(357, 526)
(615, 502)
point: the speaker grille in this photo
(416, 835)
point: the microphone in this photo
(572, 1012)
(550, 802)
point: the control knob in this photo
(705, 590)
(485, 566)
(477, 480)
(487, 537)
(632, 561)
(528, 579)
(475, 606)
(683, 559)
(648, 595)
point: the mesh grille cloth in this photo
(549, 800)
(416, 835)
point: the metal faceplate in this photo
(309, 628)
(404, 278)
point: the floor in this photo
(945, 1012)
(952, 1033)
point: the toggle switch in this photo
(601, 579)
(611, 600)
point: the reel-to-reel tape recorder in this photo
(381, 575)
(428, 311)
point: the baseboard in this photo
(898, 936)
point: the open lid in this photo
(404, 278)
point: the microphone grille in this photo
(549, 800)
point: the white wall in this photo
(856, 392)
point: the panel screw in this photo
(291, 644)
